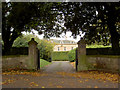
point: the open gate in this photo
(76, 58)
(38, 61)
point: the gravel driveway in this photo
(59, 66)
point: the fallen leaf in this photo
(33, 84)
(88, 86)
(62, 82)
(86, 80)
(59, 86)
(96, 87)
(43, 87)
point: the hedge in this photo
(59, 56)
(16, 51)
(102, 51)
(72, 55)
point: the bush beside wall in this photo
(72, 55)
(45, 47)
(102, 51)
(60, 56)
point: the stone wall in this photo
(14, 62)
(82, 64)
(104, 63)
(29, 61)
(95, 62)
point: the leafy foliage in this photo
(72, 55)
(18, 17)
(96, 46)
(23, 40)
(45, 47)
(99, 21)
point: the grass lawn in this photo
(43, 63)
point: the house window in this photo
(60, 42)
(64, 48)
(72, 42)
(58, 49)
(71, 48)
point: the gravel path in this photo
(59, 66)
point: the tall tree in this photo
(99, 21)
(18, 17)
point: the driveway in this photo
(59, 66)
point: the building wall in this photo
(63, 46)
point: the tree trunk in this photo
(115, 42)
(114, 37)
(7, 47)
(8, 39)
(112, 17)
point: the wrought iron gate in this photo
(38, 67)
(76, 58)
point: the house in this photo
(64, 45)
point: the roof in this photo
(63, 41)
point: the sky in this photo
(63, 36)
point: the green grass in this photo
(96, 46)
(43, 63)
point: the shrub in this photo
(72, 55)
(60, 56)
(45, 47)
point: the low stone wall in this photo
(15, 62)
(29, 61)
(97, 59)
(104, 62)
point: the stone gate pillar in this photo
(33, 52)
(82, 65)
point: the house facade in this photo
(64, 45)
